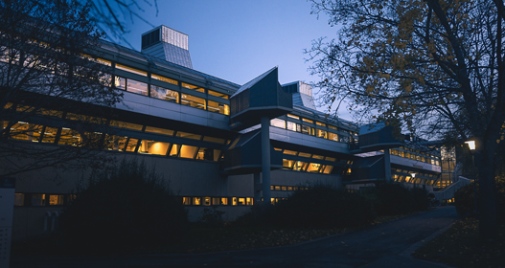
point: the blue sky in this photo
(237, 40)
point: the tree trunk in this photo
(488, 225)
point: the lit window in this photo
(302, 154)
(188, 151)
(206, 201)
(49, 135)
(136, 87)
(314, 167)
(193, 101)
(294, 116)
(115, 143)
(276, 122)
(306, 120)
(186, 200)
(327, 169)
(153, 147)
(290, 152)
(193, 87)
(293, 126)
(131, 146)
(197, 201)
(157, 130)
(164, 94)
(188, 135)
(322, 133)
(131, 70)
(121, 124)
(218, 94)
(164, 79)
(69, 137)
(321, 124)
(56, 199)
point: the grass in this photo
(460, 246)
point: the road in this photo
(385, 245)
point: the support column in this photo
(387, 165)
(265, 159)
(257, 188)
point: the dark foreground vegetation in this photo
(130, 211)
(461, 245)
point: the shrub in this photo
(394, 199)
(127, 210)
(464, 200)
(466, 204)
(322, 207)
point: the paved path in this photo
(385, 245)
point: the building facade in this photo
(217, 144)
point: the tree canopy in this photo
(437, 65)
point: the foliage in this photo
(437, 65)
(460, 246)
(394, 199)
(322, 207)
(467, 206)
(129, 209)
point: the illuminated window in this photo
(332, 136)
(294, 116)
(224, 201)
(300, 166)
(131, 70)
(321, 124)
(186, 200)
(164, 94)
(153, 147)
(193, 87)
(207, 201)
(276, 122)
(302, 154)
(193, 101)
(164, 79)
(69, 137)
(121, 124)
(216, 107)
(322, 133)
(287, 164)
(306, 120)
(26, 131)
(115, 143)
(157, 130)
(314, 167)
(293, 126)
(233, 201)
(290, 152)
(218, 94)
(136, 87)
(188, 135)
(327, 169)
(56, 199)
(197, 201)
(131, 146)
(49, 135)
(188, 151)
(174, 151)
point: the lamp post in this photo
(472, 146)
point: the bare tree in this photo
(437, 65)
(46, 74)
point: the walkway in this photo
(385, 245)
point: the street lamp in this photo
(472, 145)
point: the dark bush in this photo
(464, 200)
(127, 210)
(322, 207)
(466, 205)
(394, 199)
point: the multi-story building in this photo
(216, 143)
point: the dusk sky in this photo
(237, 40)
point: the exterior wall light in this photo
(471, 145)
